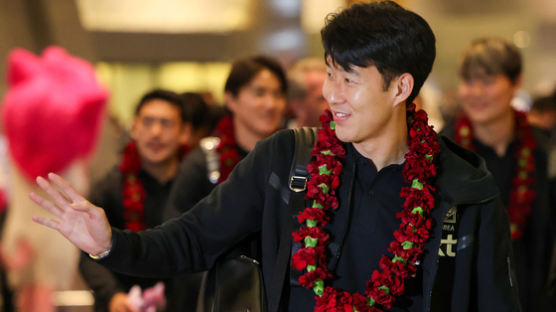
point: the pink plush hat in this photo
(52, 112)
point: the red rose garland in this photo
(389, 282)
(227, 149)
(133, 191)
(522, 193)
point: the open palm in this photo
(82, 223)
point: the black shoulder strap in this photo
(304, 141)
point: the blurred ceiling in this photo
(158, 31)
(165, 16)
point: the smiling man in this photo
(133, 193)
(395, 219)
(515, 154)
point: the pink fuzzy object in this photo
(53, 110)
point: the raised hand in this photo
(82, 223)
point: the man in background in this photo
(133, 193)
(306, 102)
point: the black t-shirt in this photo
(371, 222)
(502, 167)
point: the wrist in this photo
(102, 254)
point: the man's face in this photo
(259, 106)
(308, 109)
(359, 104)
(487, 98)
(158, 131)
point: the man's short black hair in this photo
(166, 95)
(243, 71)
(489, 57)
(196, 110)
(382, 34)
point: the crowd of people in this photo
(397, 215)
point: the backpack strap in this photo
(304, 142)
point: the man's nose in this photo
(332, 92)
(156, 128)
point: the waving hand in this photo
(82, 223)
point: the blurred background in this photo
(188, 45)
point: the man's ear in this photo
(134, 129)
(231, 101)
(403, 87)
(518, 82)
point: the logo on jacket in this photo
(449, 241)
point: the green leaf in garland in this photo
(311, 223)
(416, 184)
(327, 153)
(325, 188)
(407, 245)
(371, 302)
(418, 210)
(384, 289)
(316, 205)
(429, 158)
(323, 170)
(332, 125)
(310, 242)
(399, 259)
(318, 287)
(311, 268)
(525, 152)
(522, 162)
(354, 309)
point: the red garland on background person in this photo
(133, 191)
(387, 283)
(227, 149)
(522, 193)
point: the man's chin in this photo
(156, 158)
(343, 137)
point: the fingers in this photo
(66, 188)
(55, 210)
(83, 206)
(53, 224)
(54, 193)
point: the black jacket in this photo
(252, 201)
(191, 183)
(107, 193)
(533, 250)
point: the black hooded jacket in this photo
(479, 278)
(533, 250)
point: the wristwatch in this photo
(102, 254)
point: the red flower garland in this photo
(133, 191)
(227, 149)
(389, 282)
(522, 193)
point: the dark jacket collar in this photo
(462, 176)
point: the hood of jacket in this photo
(462, 176)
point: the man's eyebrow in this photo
(353, 70)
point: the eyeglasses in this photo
(262, 92)
(148, 122)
